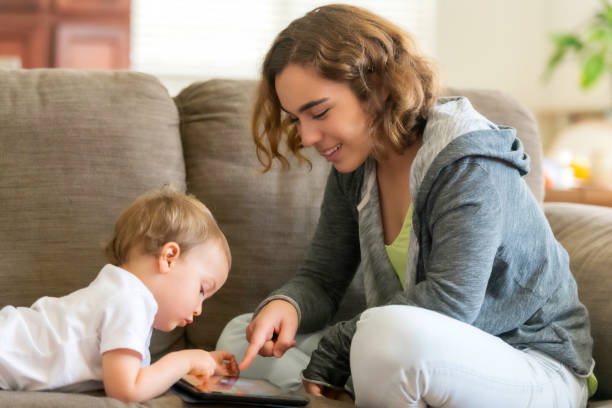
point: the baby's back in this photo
(55, 343)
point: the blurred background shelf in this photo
(582, 195)
(65, 34)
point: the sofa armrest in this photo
(586, 233)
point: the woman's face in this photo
(327, 114)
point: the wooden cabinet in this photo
(65, 33)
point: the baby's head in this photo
(171, 241)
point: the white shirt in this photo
(58, 342)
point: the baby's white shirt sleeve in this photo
(127, 323)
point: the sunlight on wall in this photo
(188, 40)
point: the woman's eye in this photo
(321, 115)
(293, 119)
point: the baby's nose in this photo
(198, 311)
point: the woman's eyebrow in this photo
(310, 104)
(307, 105)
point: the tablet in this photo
(232, 390)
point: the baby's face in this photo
(194, 277)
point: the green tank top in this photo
(397, 251)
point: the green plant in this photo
(592, 44)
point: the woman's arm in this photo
(311, 298)
(125, 380)
(332, 258)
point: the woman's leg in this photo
(404, 356)
(284, 372)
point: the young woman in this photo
(471, 302)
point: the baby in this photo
(167, 256)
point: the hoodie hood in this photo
(455, 130)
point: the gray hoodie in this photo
(481, 250)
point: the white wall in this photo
(191, 40)
(504, 44)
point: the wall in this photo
(505, 45)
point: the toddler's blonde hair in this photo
(161, 216)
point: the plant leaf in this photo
(555, 59)
(567, 41)
(592, 70)
(608, 12)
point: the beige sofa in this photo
(77, 146)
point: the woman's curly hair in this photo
(354, 46)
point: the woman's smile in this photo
(332, 153)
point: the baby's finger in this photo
(222, 355)
(232, 368)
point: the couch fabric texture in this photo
(78, 146)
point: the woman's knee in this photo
(234, 333)
(391, 333)
(393, 339)
(389, 342)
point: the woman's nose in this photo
(310, 134)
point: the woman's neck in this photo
(396, 165)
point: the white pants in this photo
(403, 356)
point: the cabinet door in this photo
(93, 46)
(24, 41)
(27, 6)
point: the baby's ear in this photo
(168, 255)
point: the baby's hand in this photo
(202, 363)
(225, 363)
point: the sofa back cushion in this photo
(270, 218)
(76, 147)
(586, 233)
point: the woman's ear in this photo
(168, 255)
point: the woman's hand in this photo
(327, 392)
(272, 331)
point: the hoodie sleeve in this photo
(331, 261)
(463, 222)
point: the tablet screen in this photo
(248, 391)
(234, 386)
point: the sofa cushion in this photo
(586, 233)
(268, 219)
(76, 147)
(95, 399)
